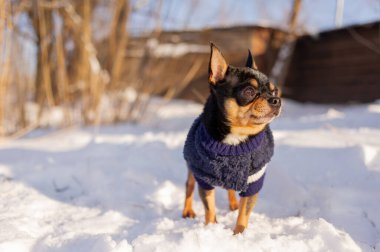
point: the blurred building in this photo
(176, 63)
(336, 66)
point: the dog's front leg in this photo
(246, 205)
(208, 200)
(233, 203)
(188, 211)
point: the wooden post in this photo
(118, 42)
(339, 13)
(5, 50)
(280, 68)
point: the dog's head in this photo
(247, 97)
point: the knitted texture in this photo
(227, 166)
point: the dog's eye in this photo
(249, 92)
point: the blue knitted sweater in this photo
(228, 166)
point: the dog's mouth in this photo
(266, 118)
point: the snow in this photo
(121, 187)
(161, 50)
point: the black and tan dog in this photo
(230, 143)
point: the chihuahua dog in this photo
(230, 143)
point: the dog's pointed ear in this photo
(217, 67)
(250, 61)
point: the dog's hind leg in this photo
(188, 209)
(233, 203)
(246, 205)
(208, 200)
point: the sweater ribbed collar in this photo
(220, 148)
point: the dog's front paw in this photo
(234, 205)
(188, 213)
(239, 229)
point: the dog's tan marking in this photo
(208, 200)
(248, 131)
(246, 206)
(240, 118)
(271, 86)
(188, 211)
(261, 107)
(233, 203)
(254, 83)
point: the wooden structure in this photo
(169, 73)
(336, 66)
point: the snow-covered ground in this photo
(121, 188)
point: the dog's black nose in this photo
(274, 101)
